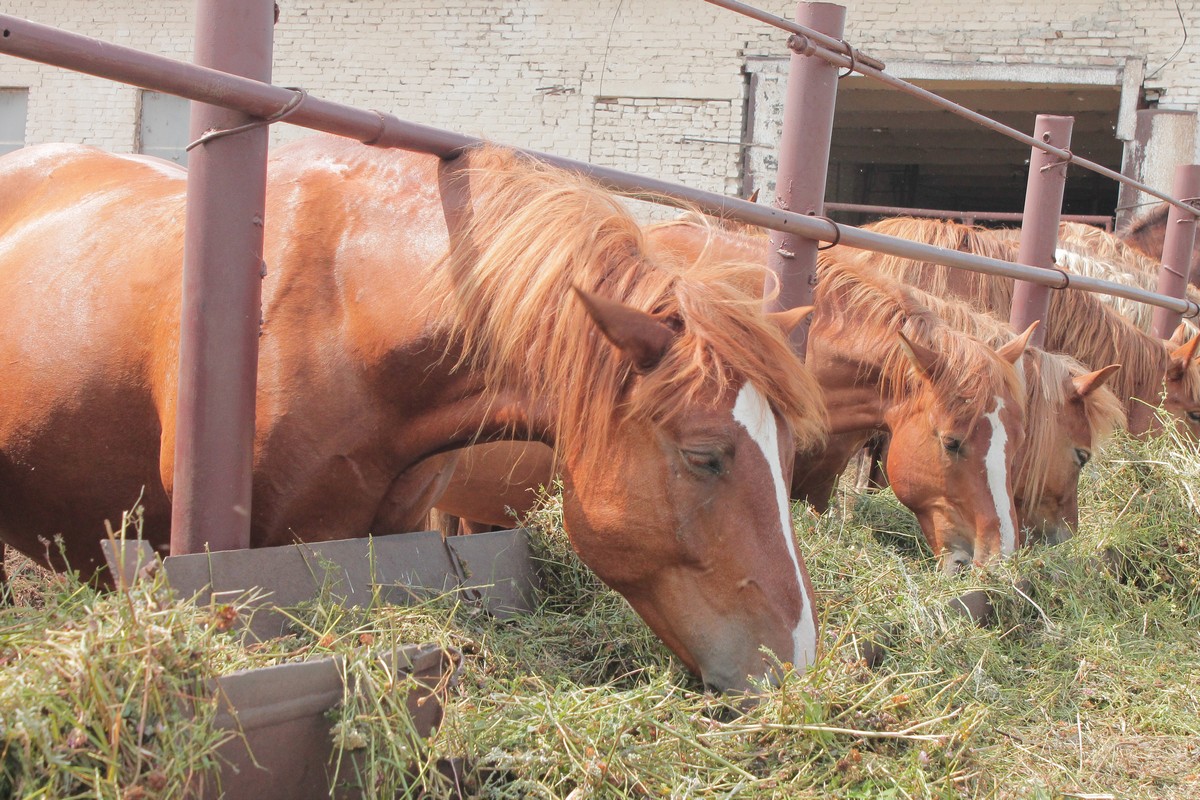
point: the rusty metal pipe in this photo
(804, 164)
(51, 46)
(810, 29)
(222, 274)
(1039, 231)
(1173, 274)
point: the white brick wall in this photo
(657, 86)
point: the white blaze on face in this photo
(996, 464)
(753, 413)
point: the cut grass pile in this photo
(1087, 685)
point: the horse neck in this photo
(852, 386)
(1147, 234)
(451, 406)
(851, 368)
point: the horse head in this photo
(1060, 441)
(687, 516)
(951, 458)
(672, 402)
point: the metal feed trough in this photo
(284, 746)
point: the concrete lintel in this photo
(1048, 74)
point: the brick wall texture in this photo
(658, 87)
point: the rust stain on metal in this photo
(492, 570)
(286, 747)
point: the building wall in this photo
(657, 87)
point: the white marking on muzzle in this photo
(996, 464)
(753, 413)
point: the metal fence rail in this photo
(52, 46)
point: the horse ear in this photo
(1182, 357)
(1086, 384)
(753, 198)
(789, 320)
(1180, 335)
(921, 357)
(641, 337)
(1012, 351)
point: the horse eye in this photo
(704, 462)
(1194, 416)
(1082, 456)
(952, 444)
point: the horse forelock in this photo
(875, 308)
(505, 293)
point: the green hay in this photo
(1087, 684)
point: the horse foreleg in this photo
(409, 501)
(873, 475)
(816, 474)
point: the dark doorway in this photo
(895, 150)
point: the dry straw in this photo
(1088, 685)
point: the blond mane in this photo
(504, 294)
(1088, 250)
(873, 308)
(1077, 323)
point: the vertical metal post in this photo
(222, 274)
(804, 159)
(1177, 249)
(1039, 227)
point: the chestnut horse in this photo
(1153, 371)
(883, 360)
(954, 408)
(413, 306)
(1147, 233)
